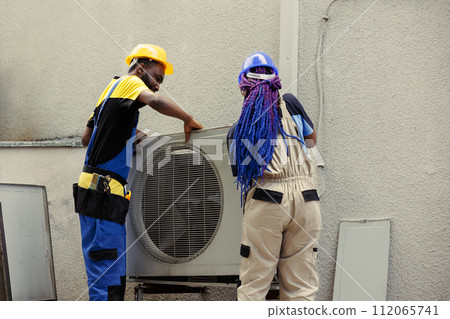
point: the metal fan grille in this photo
(181, 203)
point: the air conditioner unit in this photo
(185, 217)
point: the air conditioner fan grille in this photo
(178, 208)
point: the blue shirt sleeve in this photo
(298, 114)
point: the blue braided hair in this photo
(257, 127)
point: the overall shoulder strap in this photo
(94, 132)
(111, 90)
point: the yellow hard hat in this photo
(153, 52)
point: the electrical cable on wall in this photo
(323, 22)
(315, 152)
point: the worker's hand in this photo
(139, 137)
(190, 125)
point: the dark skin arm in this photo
(311, 139)
(88, 133)
(153, 75)
(164, 106)
(167, 107)
(86, 136)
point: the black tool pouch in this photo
(102, 205)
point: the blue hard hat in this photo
(257, 59)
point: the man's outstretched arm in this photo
(168, 107)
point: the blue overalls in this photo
(102, 223)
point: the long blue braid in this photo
(257, 126)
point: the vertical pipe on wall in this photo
(288, 66)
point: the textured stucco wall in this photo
(385, 132)
(53, 73)
(384, 136)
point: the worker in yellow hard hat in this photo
(100, 198)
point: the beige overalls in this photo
(281, 225)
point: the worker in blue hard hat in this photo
(282, 221)
(99, 195)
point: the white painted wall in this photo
(384, 137)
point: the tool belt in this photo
(100, 204)
(117, 177)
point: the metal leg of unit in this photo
(138, 293)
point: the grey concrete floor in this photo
(210, 294)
